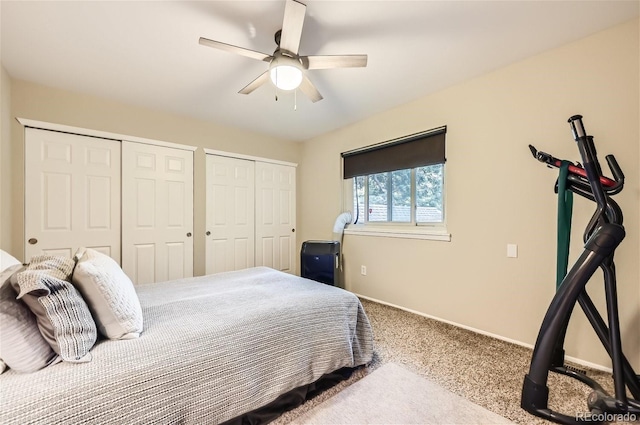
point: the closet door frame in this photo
(292, 263)
(43, 125)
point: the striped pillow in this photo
(63, 317)
(22, 347)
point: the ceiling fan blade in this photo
(235, 49)
(338, 61)
(292, 26)
(263, 78)
(310, 90)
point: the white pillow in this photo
(110, 294)
(7, 260)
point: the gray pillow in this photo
(63, 317)
(22, 347)
(110, 294)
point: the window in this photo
(412, 196)
(399, 183)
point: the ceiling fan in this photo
(287, 68)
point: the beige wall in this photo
(40, 103)
(496, 193)
(5, 161)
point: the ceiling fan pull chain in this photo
(295, 100)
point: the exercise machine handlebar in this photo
(611, 186)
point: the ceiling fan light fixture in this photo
(286, 73)
(287, 67)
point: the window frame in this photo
(408, 152)
(395, 229)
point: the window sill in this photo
(412, 232)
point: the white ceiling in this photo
(146, 53)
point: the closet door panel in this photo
(72, 193)
(275, 216)
(243, 250)
(265, 252)
(140, 262)
(216, 255)
(286, 253)
(56, 201)
(157, 215)
(176, 260)
(230, 223)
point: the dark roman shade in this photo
(416, 150)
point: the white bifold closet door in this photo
(230, 221)
(250, 214)
(72, 194)
(157, 214)
(276, 216)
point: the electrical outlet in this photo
(363, 270)
(512, 250)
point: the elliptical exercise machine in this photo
(603, 234)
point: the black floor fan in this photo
(602, 236)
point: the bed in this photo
(212, 349)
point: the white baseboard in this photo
(489, 334)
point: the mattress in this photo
(213, 347)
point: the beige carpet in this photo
(395, 395)
(483, 370)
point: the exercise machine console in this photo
(602, 236)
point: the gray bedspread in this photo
(213, 347)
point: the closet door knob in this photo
(33, 241)
(189, 234)
(208, 233)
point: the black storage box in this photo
(319, 261)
